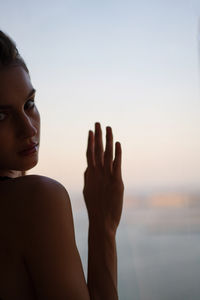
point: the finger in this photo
(108, 155)
(117, 161)
(98, 146)
(90, 149)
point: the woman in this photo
(38, 253)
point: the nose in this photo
(26, 129)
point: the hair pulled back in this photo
(9, 54)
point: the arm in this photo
(103, 193)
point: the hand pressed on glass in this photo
(103, 185)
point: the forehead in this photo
(14, 83)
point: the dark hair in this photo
(9, 54)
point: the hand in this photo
(103, 186)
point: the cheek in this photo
(6, 138)
(7, 145)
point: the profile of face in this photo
(19, 121)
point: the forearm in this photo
(102, 265)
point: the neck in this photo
(11, 173)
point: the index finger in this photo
(117, 161)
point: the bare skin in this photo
(103, 193)
(38, 254)
(20, 124)
(15, 282)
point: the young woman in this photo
(38, 253)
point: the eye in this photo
(2, 118)
(30, 104)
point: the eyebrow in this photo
(32, 93)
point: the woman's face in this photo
(19, 120)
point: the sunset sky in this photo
(133, 65)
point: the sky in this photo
(131, 65)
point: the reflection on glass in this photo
(158, 246)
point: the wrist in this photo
(101, 230)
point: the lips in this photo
(30, 147)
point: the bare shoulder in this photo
(32, 198)
(39, 183)
(35, 188)
(48, 243)
(37, 213)
(31, 183)
(44, 199)
(40, 194)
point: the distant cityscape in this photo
(158, 245)
(164, 212)
(163, 199)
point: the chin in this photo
(30, 167)
(27, 165)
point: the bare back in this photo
(37, 235)
(15, 282)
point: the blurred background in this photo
(132, 65)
